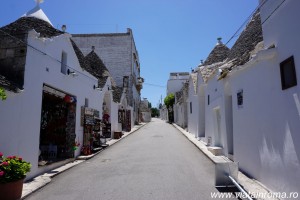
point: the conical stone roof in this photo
(218, 54)
(97, 68)
(249, 38)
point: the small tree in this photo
(2, 94)
(169, 102)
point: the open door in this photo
(217, 132)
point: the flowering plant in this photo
(76, 145)
(13, 168)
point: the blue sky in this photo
(170, 35)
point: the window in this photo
(86, 102)
(240, 98)
(288, 73)
(191, 108)
(208, 99)
(64, 63)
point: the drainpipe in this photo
(240, 188)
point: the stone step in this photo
(217, 151)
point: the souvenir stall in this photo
(124, 118)
(106, 125)
(92, 131)
(57, 131)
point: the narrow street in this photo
(155, 163)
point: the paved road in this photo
(155, 163)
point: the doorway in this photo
(229, 127)
(57, 130)
(217, 127)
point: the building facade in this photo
(56, 96)
(44, 113)
(145, 111)
(176, 81)
(119, 54)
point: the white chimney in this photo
(64, 28)
(219, 40)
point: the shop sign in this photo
(88, 115)
(88, 111)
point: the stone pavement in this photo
(251, 186)
(42, 180)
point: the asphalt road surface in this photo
(154, 163)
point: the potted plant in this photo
(13, 170)
(76, 145)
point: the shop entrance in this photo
(106, 110)
(57, 132)
(124, 117)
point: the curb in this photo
(44, 179)
(251, 186)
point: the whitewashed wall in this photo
(219, 101)
(193, 109)
(201, 112)
(175, 83)
(20, 126)
(146, 116)
(266, 129)
(175, 113)
(180, 112)
(163, 113)
(196, 119)
(114, 118)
